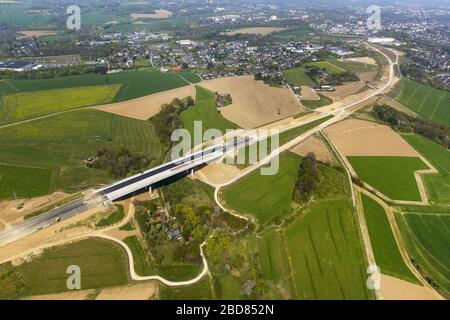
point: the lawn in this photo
(387, 254)
(430, 103)
(329, 67)
(437, 185)
(102, 263)
(134, 84)
(265, 197)
(117, 215)
(427, 239)
(297, 76)
(392, 176)
(26, 105)
(205, 110)
(15, 181)
(198, 291)
(326, 252)
(62, 143)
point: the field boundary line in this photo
(364, 232)
(344, 163)
(398, 238)
(43, 117)
(412, 94)
(12, 86)
(418, 246)
(425, 214)
(21, 166)
(437, 106)
(357, 204)
(425, 99)
(425, 223)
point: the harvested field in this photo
(218, 173)
(254, 103)
(318, 147)
(159, 14)
(345, 90)
(366, 60)
(396, 289)
(309, 94)
(146, 107)
(143, 291)
(262, 31)
(354, 137)
(35, 33)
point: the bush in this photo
(118, 163)
(308, 178)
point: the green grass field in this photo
(198, 291)
(437, 185)
(189, 76)
(117, 215)
(326, 253)
(102, 263)
(297, 76)
(270, 256)
(15, 181)
(230, 288)
(385, 249)
(173, 272)
(205, 110)
(160, 25)
(427, 239)
(265, 197)
(26, 105)
(354, 66)
(141, 264)
(299, 33)
(134, 84)
(62, 143)
(392, 176)
(289, 135)
(329, 67)
(430, 103)
(314, 104)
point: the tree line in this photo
(405, 123)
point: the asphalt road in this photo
(66, 211)
(43, 220)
